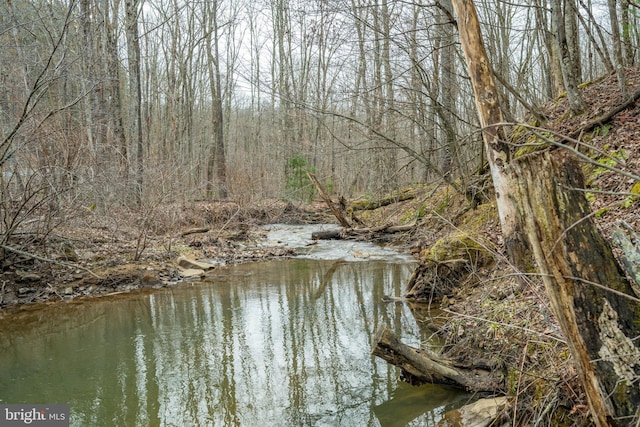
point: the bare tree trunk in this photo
(629, 49)
(362, 93)
(113, 84)
(601, 49)
(92, 105)
(617, 48)
(378, 169)
(389, 158)
(573, 37)
(282, 75)
(448, 87)
(554, 73)
(567, 63)
(216, 162)
(486, 98)
(135, 87)
(590, 297)
(417, 98)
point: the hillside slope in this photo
(480, 305)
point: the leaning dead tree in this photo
(543, 216)
(337, 212)
(348, 230)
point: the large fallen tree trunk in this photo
(427, 368)
(385, 201)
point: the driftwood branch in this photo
(49, 260)
(606, 117)
(427, 368)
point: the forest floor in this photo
(488, 310)
(96, 255)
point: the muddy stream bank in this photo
(282, 341)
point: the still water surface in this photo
(278, 343)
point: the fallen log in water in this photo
(327, 235)
(346, 233)
(427, 368)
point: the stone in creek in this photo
(481, 413)
(189, 273)
(192, 264)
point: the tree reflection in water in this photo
(278, 343)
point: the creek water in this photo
(276, 343)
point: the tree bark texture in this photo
(135, 88)
(617, 47)
(629, 242)
(554, 73)
(113, 95)
(216, 163)
(588, 292)
(489, 113)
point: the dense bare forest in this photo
(107, 102)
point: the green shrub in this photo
(298, 186)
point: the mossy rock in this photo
(457, 248)
(446, 264)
